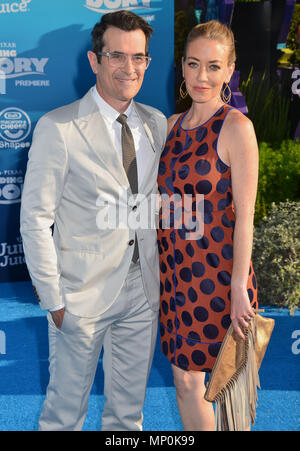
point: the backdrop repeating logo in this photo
(15, 126)
(20, 6)
(105, 6)
(12, 254)
(11, 186)
(16, 67)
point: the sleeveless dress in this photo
(195, 262)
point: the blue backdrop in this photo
(43, 65)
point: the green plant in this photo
(292, 39)
(276, 250)
(268, 108)
(279, 175)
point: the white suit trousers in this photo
(127, 331)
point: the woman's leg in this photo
(196, 413)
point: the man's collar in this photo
(108, 111)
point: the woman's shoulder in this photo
(236, 121)
(172, 121)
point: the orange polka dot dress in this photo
(195, 269)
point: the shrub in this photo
(279, 175)
(276, 250)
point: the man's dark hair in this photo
(124, 20)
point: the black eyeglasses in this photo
(116, 59)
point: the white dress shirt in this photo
(143, 149)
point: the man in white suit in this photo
(99, 284)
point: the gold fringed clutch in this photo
(234, 379)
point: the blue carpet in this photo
(24, 372)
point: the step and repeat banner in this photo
(43, 65)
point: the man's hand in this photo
(58, 317)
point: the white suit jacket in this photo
(73, 166)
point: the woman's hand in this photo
(241, 311)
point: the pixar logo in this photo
(104, 6)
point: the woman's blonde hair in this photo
(213, 30)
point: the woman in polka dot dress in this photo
(209, 165)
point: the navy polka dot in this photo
(207, 286)
(202, 167)
(165, 348)
(214, 349)
(201, 134)
(211, 331)
(169, 326)
(182, 361)
(185, 157)
(224, 277)
(198, 358)
(198, 269)
(192, 294)
(178, 257)
(186, 319)
(217, 304)
(162, 329)
(204, 187)
(201, 314)
(170, 261)
(217, 125)
(185, 274)
(226, 222)
(168, 286)
(221, 167)
(164, 243)
(202, 150)
(226, 321)
(203, 243)
(183, 172)
(180, 299)
(217, 234)
(212, 260)
(178, 342)
(161, 289)
(162, 168)
(227, 251)
(222, 186)
(165, 307)
(190, 250)
(178, 148)
(172, 345)
(194, 336)
(250, 294)
(163, 267)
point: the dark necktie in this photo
(130, 166)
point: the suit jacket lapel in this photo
(152, 132)
(93, 128)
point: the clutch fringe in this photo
(235, 405)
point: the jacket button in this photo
(134, 208)
(131, 242)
